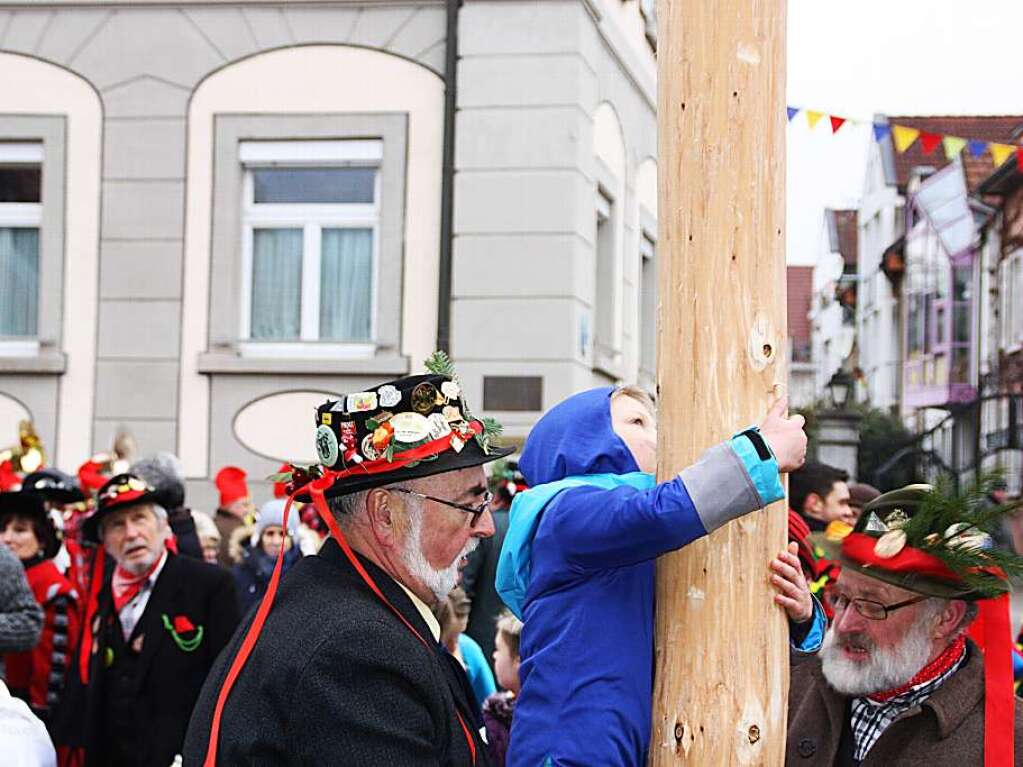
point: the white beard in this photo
(884, 670)
(440, 582)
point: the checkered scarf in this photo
(870, 718)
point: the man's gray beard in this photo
(139, 567)
(440, 582)
(885, 670)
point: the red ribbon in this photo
(859, 548)
(992, 632)
(316, 489)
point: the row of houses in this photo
(918, 294)
(215, 213)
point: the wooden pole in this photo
(721, 669)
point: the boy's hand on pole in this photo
(790, 583)
(785, 435)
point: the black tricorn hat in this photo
(925, 541)
(404, 429)
(119, 492)
(52, 485)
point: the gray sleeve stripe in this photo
(720, 488)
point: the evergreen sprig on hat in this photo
(955, 528)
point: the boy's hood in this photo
(575, 438)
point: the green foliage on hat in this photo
(491, 431)
(956, 528)
(440, 364)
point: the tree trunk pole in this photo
(721, 669)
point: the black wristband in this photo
(757, 440)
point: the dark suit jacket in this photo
(169, 677)
(337, 679)
(946, 731)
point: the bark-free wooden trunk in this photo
(721, 678)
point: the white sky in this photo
(857, 58)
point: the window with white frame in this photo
(310, 228)
(648, 306)
(606, 344)
(1012, 301)
(21, 213)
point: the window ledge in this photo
(232, 364)
(44, 363)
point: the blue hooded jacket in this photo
(578, 566)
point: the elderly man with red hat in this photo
(236, 508)
(346, 668)
(152, 634)
(898, 680)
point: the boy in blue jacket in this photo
(577, 565)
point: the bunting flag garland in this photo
(1000, 152)
(953, 146)
(977, 147)
(929, 141)
(904, 136)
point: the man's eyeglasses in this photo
(870, 610)
(475, 511)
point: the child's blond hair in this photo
(510, 628)
(640, 395)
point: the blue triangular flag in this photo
(793, 111)
(977, 147)
(881, 130)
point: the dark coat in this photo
(166, 678)
(946, 731)
(252, 575)
(337, 679)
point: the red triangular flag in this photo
(836, 123)
(929, 141)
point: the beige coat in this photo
(946, 731)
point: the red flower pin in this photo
(182, 625)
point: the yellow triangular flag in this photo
(812, 118)
(953, 146)
(1000, 152)
(904, 137)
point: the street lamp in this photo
(839, 388)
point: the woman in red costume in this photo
(38, 675)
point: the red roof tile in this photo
(995, 128)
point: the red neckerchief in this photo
(948, 658)
(126, 586)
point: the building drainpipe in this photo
(447, 187)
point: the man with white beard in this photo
(898, 681)
(346, 668)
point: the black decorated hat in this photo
(30, 506)
(931, 541)
(52, 485)
(119, 492)
(404, 429)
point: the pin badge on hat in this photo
(424, 398)
(367, 448)
(362, 402)
(326, 446)
(439, 426)
(410, 427)
(389, 396)
(450, 389)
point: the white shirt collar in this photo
(425, 611)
